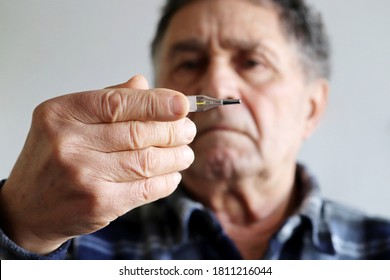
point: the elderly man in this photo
(92, 158)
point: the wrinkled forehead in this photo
(224, 20)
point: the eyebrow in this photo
(190, 45)
(250, 45)
(245, 45)
(196, 45)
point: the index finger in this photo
(124, 104)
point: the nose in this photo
(220, 80)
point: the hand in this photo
(90, 157)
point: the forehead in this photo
(225, 21)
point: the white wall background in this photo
(52, 47)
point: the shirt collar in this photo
(310, 212)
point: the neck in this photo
(250, 210)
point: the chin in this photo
(225, 159)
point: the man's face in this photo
(236, 49)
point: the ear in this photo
(318, 100)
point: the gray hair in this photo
(300, 22)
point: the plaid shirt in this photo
(177, 227)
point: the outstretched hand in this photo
(92, 156)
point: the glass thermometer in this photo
(199, 103)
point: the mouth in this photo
(214, 129)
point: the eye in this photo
(189, 65)
(250, 60)
(187, 69)
(250, 63)
(254, 67)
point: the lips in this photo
(225, 124)
(219, 128)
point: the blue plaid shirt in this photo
(179, 228)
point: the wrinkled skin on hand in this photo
(90, 157)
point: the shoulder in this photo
(355, 234)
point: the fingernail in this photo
(177, 106)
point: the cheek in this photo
(263, 112)
(278, 113)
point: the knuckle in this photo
(171, 135)
(94, 208)
(65, 153)
(77, 175)
(80, 175)
(151, 162)
(96, 197)
(59, 154)
(145, 105)
(151, 104)
(70, 165)
(136, 137)
(146, 190)
(44, 117)
(147, 162)
(112, 104)
(154, 188)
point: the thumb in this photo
(137, 82)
